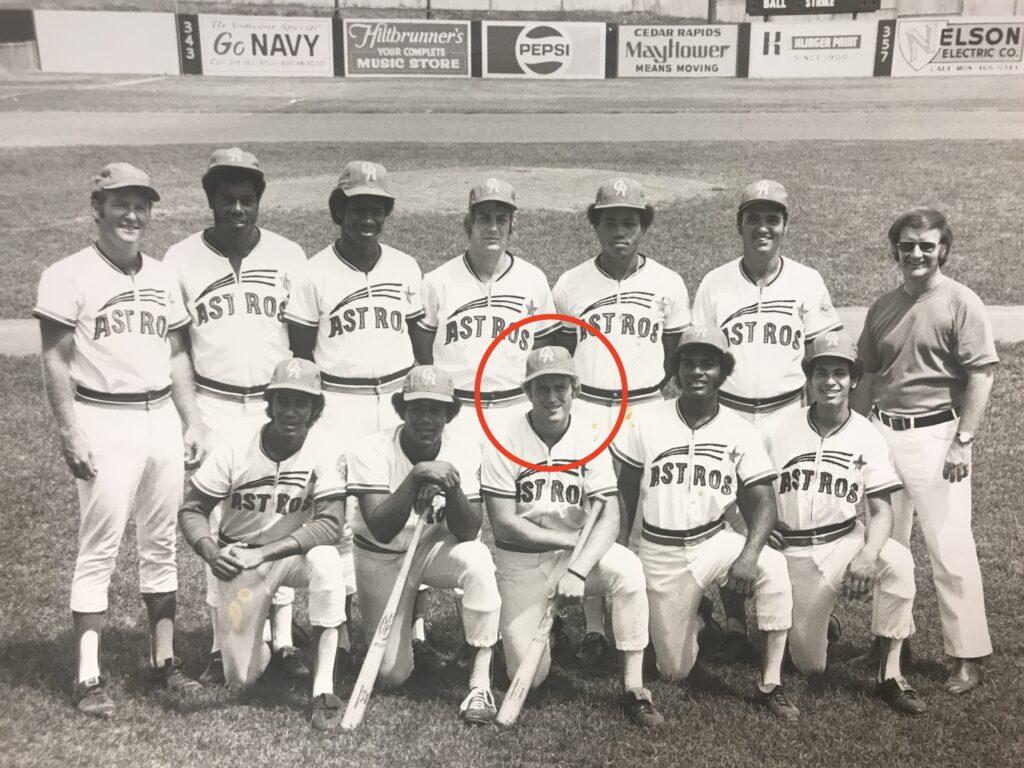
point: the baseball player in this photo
(350, 310)
(769, 307)
(829, 460)
(234, 281)
(281, 487)
(642, 307)
(686, 462)
(537, 518)
(929, 347)
(114, 356)
(421, 467)
(469, 300)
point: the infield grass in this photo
(574, 723)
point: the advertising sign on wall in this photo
(286, 46)
(543, 49)
(687, 50)
(107, 42)
(406, 47)
(825, 49)
(958, 46)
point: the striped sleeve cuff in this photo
(883, 489)
(553, 328)
(501, 493)
(414, 316)
(300, 320)
(42, 314)
(770, 474)
(836, 326)
(422, 323)
(328, 494)
(474, 497)
(204, 489)
(361, 489)
(181, 324)
(609, 491)
(624, 458)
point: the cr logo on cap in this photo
(493, 185)
(429, 376)
(547, 354)
(763, 187)
(620, 187)
(369, 172)
(832, 339)
(294, 369)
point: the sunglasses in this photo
(908, 246)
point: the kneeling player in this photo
(684, 464)
(421, 465)
(829, 459)
(537, 518)
(283, 492)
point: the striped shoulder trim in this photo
(183, 324)
(359, 489)
(212, 494)
(836, 326)
(41, 314)
(882, 489)
(624, 458)
(331, 494)
(300, 320)
(770, 474)
(674, 329)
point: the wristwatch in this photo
(965, 438)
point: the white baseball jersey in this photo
(767, 327)
(266, 500)
(120, 321)
(690, 476)
(378, 464)
(361, 317)
(634, 313)
(822, 479)
(552, 500)
(467, 316)
(238, 331)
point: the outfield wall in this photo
(292, 46)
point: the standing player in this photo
(234, 280)
(642, 307)
(114, 354)
(469, 300)
(420, 464)
(829, 460)
(687, 461)
(282, 489)
(929, 345)
(769, 307)
(537, 518)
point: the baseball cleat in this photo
(426, 658)
(898, 694)
(835, 629)
(639, 708)
(213, 675)
(170, 677)
(289, 661)
(91, 699)
(478, 707)
(593, 652)
(326, 712)
(776, 702)
(965, 677)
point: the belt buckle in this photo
(815, 539)
(900, 423)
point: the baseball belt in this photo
(684, 538)
(898, 423)
(808, 537)
(345, 383)
(122, 399)
(365, 544)
(496, 396)
(596, 394)
(233, 392)
(755, 405)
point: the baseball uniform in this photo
(466, 315)
(121, 372)
(688, 480)
(263, 501)
(821, 481)
(921, 350)
(379, 465)
(767, 327)
(557, 500)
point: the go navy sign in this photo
(543, 49)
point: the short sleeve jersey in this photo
(238, 331)
(923, 349)
(767, 326)
(466, 316)
(361, 317)
(554, 500)
(378, 464)
(265, 500)
(822, 479)
(120, 321)
(634, 313)
(690, 476)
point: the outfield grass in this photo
(573, 724)
(844, 195)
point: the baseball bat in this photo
(360, 695)
(512, 704)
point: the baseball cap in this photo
(620, 193)
(361, 177)
(297, 374)
(764, 190)
(428, 382)
(498, 190)
(122, 175)
(693, 335)
(549, 360)
(233, 157)
(833, 344)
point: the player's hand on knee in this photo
(569, 589)
(859, 578)
(227, 565)
(958, 462)
(439, 473)
(742, 576)
(77, 455)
